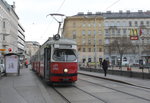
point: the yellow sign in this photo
(133, 32)
(2, 49)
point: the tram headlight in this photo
(65, 70)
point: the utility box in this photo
(11, 63)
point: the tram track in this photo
(69, 101)
(118, 81)
(91, 94)
(117, 90)
(61, 94)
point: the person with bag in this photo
(105, 66)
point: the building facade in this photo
(110, 26)
(9, 27)
(135, 26)
(12, 36)
(31, 48)
(11, 32)
(21, 39)
(87, 31)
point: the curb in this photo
(115, 80)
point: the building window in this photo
(3, 37)
(79, 49)
(4, 24)
(83, 41)
(100, 49)
(118, 23)
(141, 23)
(94, 32)
(106, 31)
(74, 24)
(113, 31)
(89, 49)
(99, 32)
(74, 34)
(89, 25)
(124, 31)
(100, 41)
(106, 24)
(147, 31)
(94, 49)
(136, 23)
(147, 23)
(107, 41)
(89, 32)
(83, 25)
(94, 24)
(130, 23)
(83, 49)
(83, 32)
(118, 31)
(89, 41)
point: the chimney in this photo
(120, 11)
(13, 6)
(140, 11)
(108, 12)
(89, 13)
(128, 11)
(80, 13)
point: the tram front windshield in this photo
(64, 55)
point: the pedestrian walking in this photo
(105, 66)
(26, 63)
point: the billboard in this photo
(134, 34)
(11, 63)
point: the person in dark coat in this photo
(105, 66)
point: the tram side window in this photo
(64, 55)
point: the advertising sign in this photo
(134, 38)
(11, 63)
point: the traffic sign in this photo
(2, 49)
(134, 38)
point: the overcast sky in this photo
(32, 13)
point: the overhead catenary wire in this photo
(59, 8)
(112, 4)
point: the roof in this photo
(62, 41)
(119, 15)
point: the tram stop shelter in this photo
(11, 63)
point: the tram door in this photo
(47, 56)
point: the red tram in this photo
(56, 61)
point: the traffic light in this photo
(10, 49)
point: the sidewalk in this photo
(25, 88)
(139, 82)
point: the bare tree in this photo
(120, 45)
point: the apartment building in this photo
(12, 36)
(88, 31)
(31, 48)
(92, 32)
(21, 39)
(135, 26)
